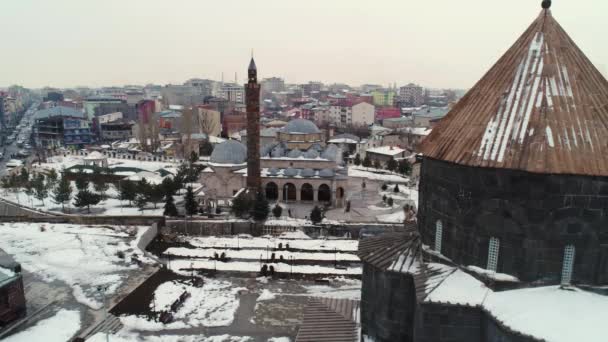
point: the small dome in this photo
(301, 126)
(326, 173)
(277, 152)
(331, 152)
(273, 171)
(229, 152)
(294, 154)
(307, 173)
(311, 154)
(317, 147)
(265, 150)
(291, 172)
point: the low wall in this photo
(212, 227)
(13, 209)
(148, 236)
(91, 220)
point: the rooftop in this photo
(543, 107)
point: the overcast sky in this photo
(441, 43)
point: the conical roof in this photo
(543, 108)
(252, 65)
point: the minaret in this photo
(252, 95)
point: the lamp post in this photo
(103, 290)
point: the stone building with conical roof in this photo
(511, 242)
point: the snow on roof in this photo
(457, 288)
(95, 156)
(551, 313)
(386, 150)
(492, 275)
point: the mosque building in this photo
(297, 168)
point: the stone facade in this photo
(387, 305)
(534, 216)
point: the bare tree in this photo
(208, 122)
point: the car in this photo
(1, 156)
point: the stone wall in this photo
(448, 323)
(215, 227)
(534, 216)
(387, 305)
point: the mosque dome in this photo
(301, 126)
(291, 172)
(229, 152)
(277, 152)
(311, 154)
(326, 173)
(307, 173)
(331, 152)
(294, 153)
(273, 171)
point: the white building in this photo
(233, 92)
(360, 114)
(412, 94)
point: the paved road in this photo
(8, 150)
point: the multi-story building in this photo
(208, 120)
(91, 104)
(204, 87)
(273, 84)
(412, 95)
(383, 97)
(181, 95)
(61, 126)
(233, 92)
(346, 114)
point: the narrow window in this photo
(493, 249)
(568, 265)
(438, 235)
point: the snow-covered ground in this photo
(59, 328)
(303, 244)
(180, 266)
(127, 335)
(255, 254)
(378, 175)
(111, 206)
(83, 257)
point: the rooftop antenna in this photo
(236, 79)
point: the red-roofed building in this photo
(387, 113)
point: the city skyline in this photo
(114, 43)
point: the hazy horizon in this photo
(69, 43)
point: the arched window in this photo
(324, 193)
(568, 265)
(493, 249)
(438, 235)
(307, 192)
(272, 191)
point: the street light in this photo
(103, 290)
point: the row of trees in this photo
(402, 166)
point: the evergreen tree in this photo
(384, 187)
(260, 208)
(377, 164)
(28, 189)
(82, 183)
(51, 178)
(62, 192)
(390, 202)
(170, 209)
(24, 177)
(316, 215)
(391, 165)
(366, 161)
(40, 190)
(357, 160)
(86, 198)
(384, 198)
(127, 191)
(100, 184)
(168, 186)
(404, 167)
(193, 157)
(140, 201)
(206, 149)
(241, 205)
(277, 211)
(396, 189)
(190, 204)
(155, 194)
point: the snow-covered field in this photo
(127, 335)
(111, 206)
(255, 254)
(303, 244)
(83, 257)
(384, 176)
(59, 328)
(180, 265)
